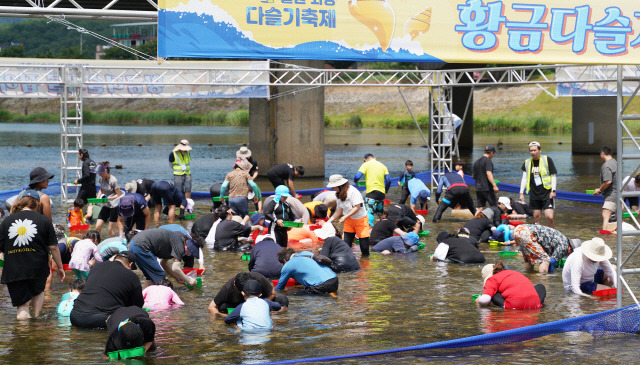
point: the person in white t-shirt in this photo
(351, 211)
(588, 268)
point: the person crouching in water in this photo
(253, 314)
(509, 289)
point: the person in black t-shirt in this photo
(26, 239)
(386, 226)
(284, 174)
(230, 294)
(142, 187)
(539, 180)
(110, 286)
(486, 187)
(88, 179)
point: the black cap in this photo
(128, 336)
(367, 155)
(489, 149)
(394, 213)
(252, 287)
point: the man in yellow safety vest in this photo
(539, 181)
(180, 160)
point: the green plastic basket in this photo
(189, 216)
(246, 257)
(217, 198)
(229, 310)
(147, 309)
(423, 234)
(508, 254)
(292, 224)
(361, 183)
(126, 354)
(627, 215)
(198, 283)
(1, 263)
(590, 192)
(97, 200)
(475, 296)
(494, 243)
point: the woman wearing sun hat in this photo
(588, 268)
(39, 180)
(26, 239)
(350, 206)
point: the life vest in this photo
(181, 160)
(543, 167)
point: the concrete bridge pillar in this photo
(290, 128)
(460, 99)
(594, 124)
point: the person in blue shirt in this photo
(66, 302)
(400, 244)
(253, 313)
(457, 193)
(407, 175)
(316, 278)
(420, 194)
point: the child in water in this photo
(74, 214)
(84, 254)
(66, 303)
(160, 295)
(407, 175)
(253, 314)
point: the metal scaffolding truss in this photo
(115, 10)
(71, 136)
(628, 149)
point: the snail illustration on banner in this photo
(379, 17)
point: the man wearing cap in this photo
(588, 268)
(420, 194)
(284, 174)
(132, 210)
(180, 160)
(142, 187)
(110, 286)
(152, 244)
(539, 181)
(486, 187)
(128, 328)
(607, 188)
(378, 182)
(542, 245)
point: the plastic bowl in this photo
(508, 254)
(229, 310)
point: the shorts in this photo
(182, 182)
(374, 206)
(148, 263)
(108, 214)
(329, 286)
(610, 206)
(23, 291)
(590, 286)
(528, 243)
(486, 197)
(358, 226)
(535, 204)
(240, 205)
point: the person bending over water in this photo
(509, 289)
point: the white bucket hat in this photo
(243, 152)
(131, 187)
(336, 180)
(596, 250)
(487, 272)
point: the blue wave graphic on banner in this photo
(183, 34)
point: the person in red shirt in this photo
(509, 289)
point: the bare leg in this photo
(112, 228)
(543, 267)
(548, 214)
(172, 214)
(156, 214)
(23, 311)
(606, 214)
(38, 303)
(537, 216)
(99, 224)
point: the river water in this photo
(394, 301)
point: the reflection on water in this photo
(394, 301)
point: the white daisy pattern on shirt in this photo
(23, 230)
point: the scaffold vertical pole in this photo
(442, 132)
(71, 136)
(618, 182)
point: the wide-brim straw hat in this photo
(336, 180)
(596, 250)
(243, 152)
(182, 146)
(131, 187)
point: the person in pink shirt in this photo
(84, 254)
(160, 295)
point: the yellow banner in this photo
(560, 31)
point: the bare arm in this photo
(55, 254)
(492, 181)
(45, 203)
(147, 217)
(292, 190)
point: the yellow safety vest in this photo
(544, 172)
(180, 160)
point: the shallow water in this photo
(394, 301)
